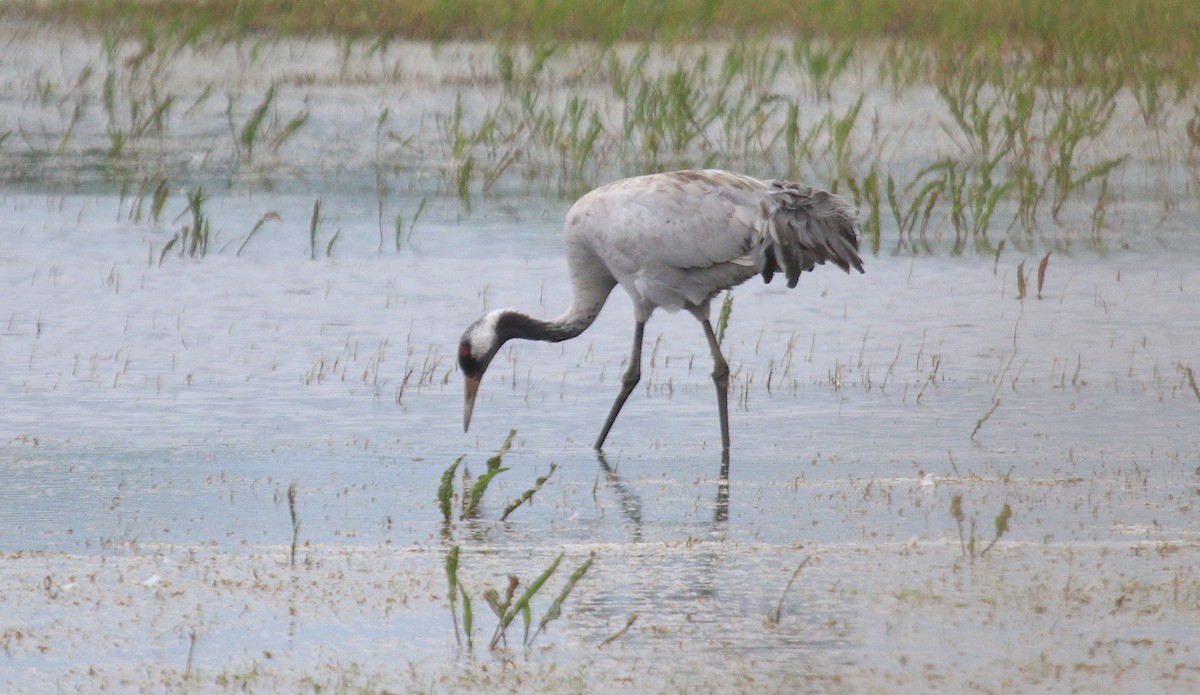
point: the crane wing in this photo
(800, 227)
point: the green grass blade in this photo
(289, 129)
(332, 240)
(956, 511)
(167, 247)
(253, 124)
(452, 580)
(984, 418)
(619, 633)
(481, 483)
(468, 617)
(527, 618)
(555, 609)
(159, 199)
(477, 490)
(492, 597)
(1001, 521)
(494, 461)
(446, 489)
(723, 319)
(537, 485)
(522, 604)
(774, 616)
(312, 229)
(452, 570)
(1041, 273)
(272, 215)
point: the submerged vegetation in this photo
(470, 499)
(506, 609)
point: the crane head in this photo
(478, 346)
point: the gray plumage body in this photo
(674, 241)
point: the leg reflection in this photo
(721, 512)
(631, 504)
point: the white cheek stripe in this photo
(483, 333)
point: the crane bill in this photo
(470, 388)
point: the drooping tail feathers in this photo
(801, 227)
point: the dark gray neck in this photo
(512, 324)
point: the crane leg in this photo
(629, 379)
(720, 377)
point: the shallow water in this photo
(155, 415)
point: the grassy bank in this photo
(1165, 27)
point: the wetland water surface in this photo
(155, 414)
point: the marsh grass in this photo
(263, 123)
(195, 240)
(723, 317)
(507, 606)
(528, 494)
(969, 542)
(1001, 525)
(480, 486)
(245, 137)
(554, 611)
(619, 633)
(956, 511)
(985, 417)
(1189, 378)
(869, 199)
(822, 62)
(187, 667)
(776, 614)
(471, 497)
(312, 229)
(445, 493)
(1026, 100)
(1041, 274)
(192, 239)
(1080, 117)
(412, 224)
(157, 188)
(135, 96)
(270, 216)
(1190, 374)
(508, 610)
(451, 567)
(1021, 125)
(727, 108)
(291, 500)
